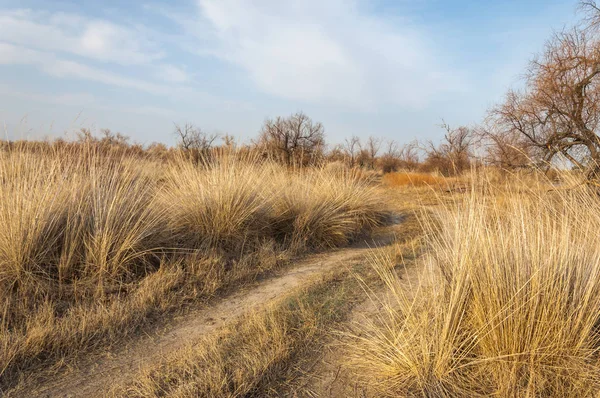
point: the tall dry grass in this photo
(324, 208)
(92, 245)
(510, 305)
(400, 179)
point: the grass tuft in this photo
(92, 245)
(508, 307)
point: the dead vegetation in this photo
(270, 351)
(100, 246)
(510, 307)
(92, 246)
(400, 179)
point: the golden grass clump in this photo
(322, 209)
(76, 232)
(509, 305)
(226, 203)
(91, 245)
(66, 223)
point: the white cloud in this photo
(171, 73)
(70, 33)
(84, 100)
(325, 52)
(69, 99)
(314, 51)
(54, 66)
(57, 67)
(49, 40)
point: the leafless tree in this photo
(293, 140)
(409, 155)
(372, 148)
(111, 139)
(229, 141)
(390, 158)
(558, 112)
(397, 156)
(351, 148)
(108, 138)
(453, 154)
(591, 12)
(195, 143)
(192, 138)
(85, 135)
(336, 154)
(506, 150)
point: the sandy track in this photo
(96, 375)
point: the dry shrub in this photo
(235, 205)
(50, 332)
(509, 308)
(74, 229)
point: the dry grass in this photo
(400, 179)
(323, 209)
(92, 246)
(509, 307)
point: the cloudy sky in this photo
(392, 68)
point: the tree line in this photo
(555, 115)
(298, 141)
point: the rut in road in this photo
(96, 375)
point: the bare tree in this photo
(191, 138)
(591, 11)
(397, 156)
(453, 154)
(85, 135)
(507, 150)
(372, 149)
(110, 139)
(293, 140)
(195, 143)
(558, 112)
(390, 159)
(351, 148)
(229, 141)
(409, 155)
(337, 154)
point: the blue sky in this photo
(388, 68)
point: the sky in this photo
(389, 68)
